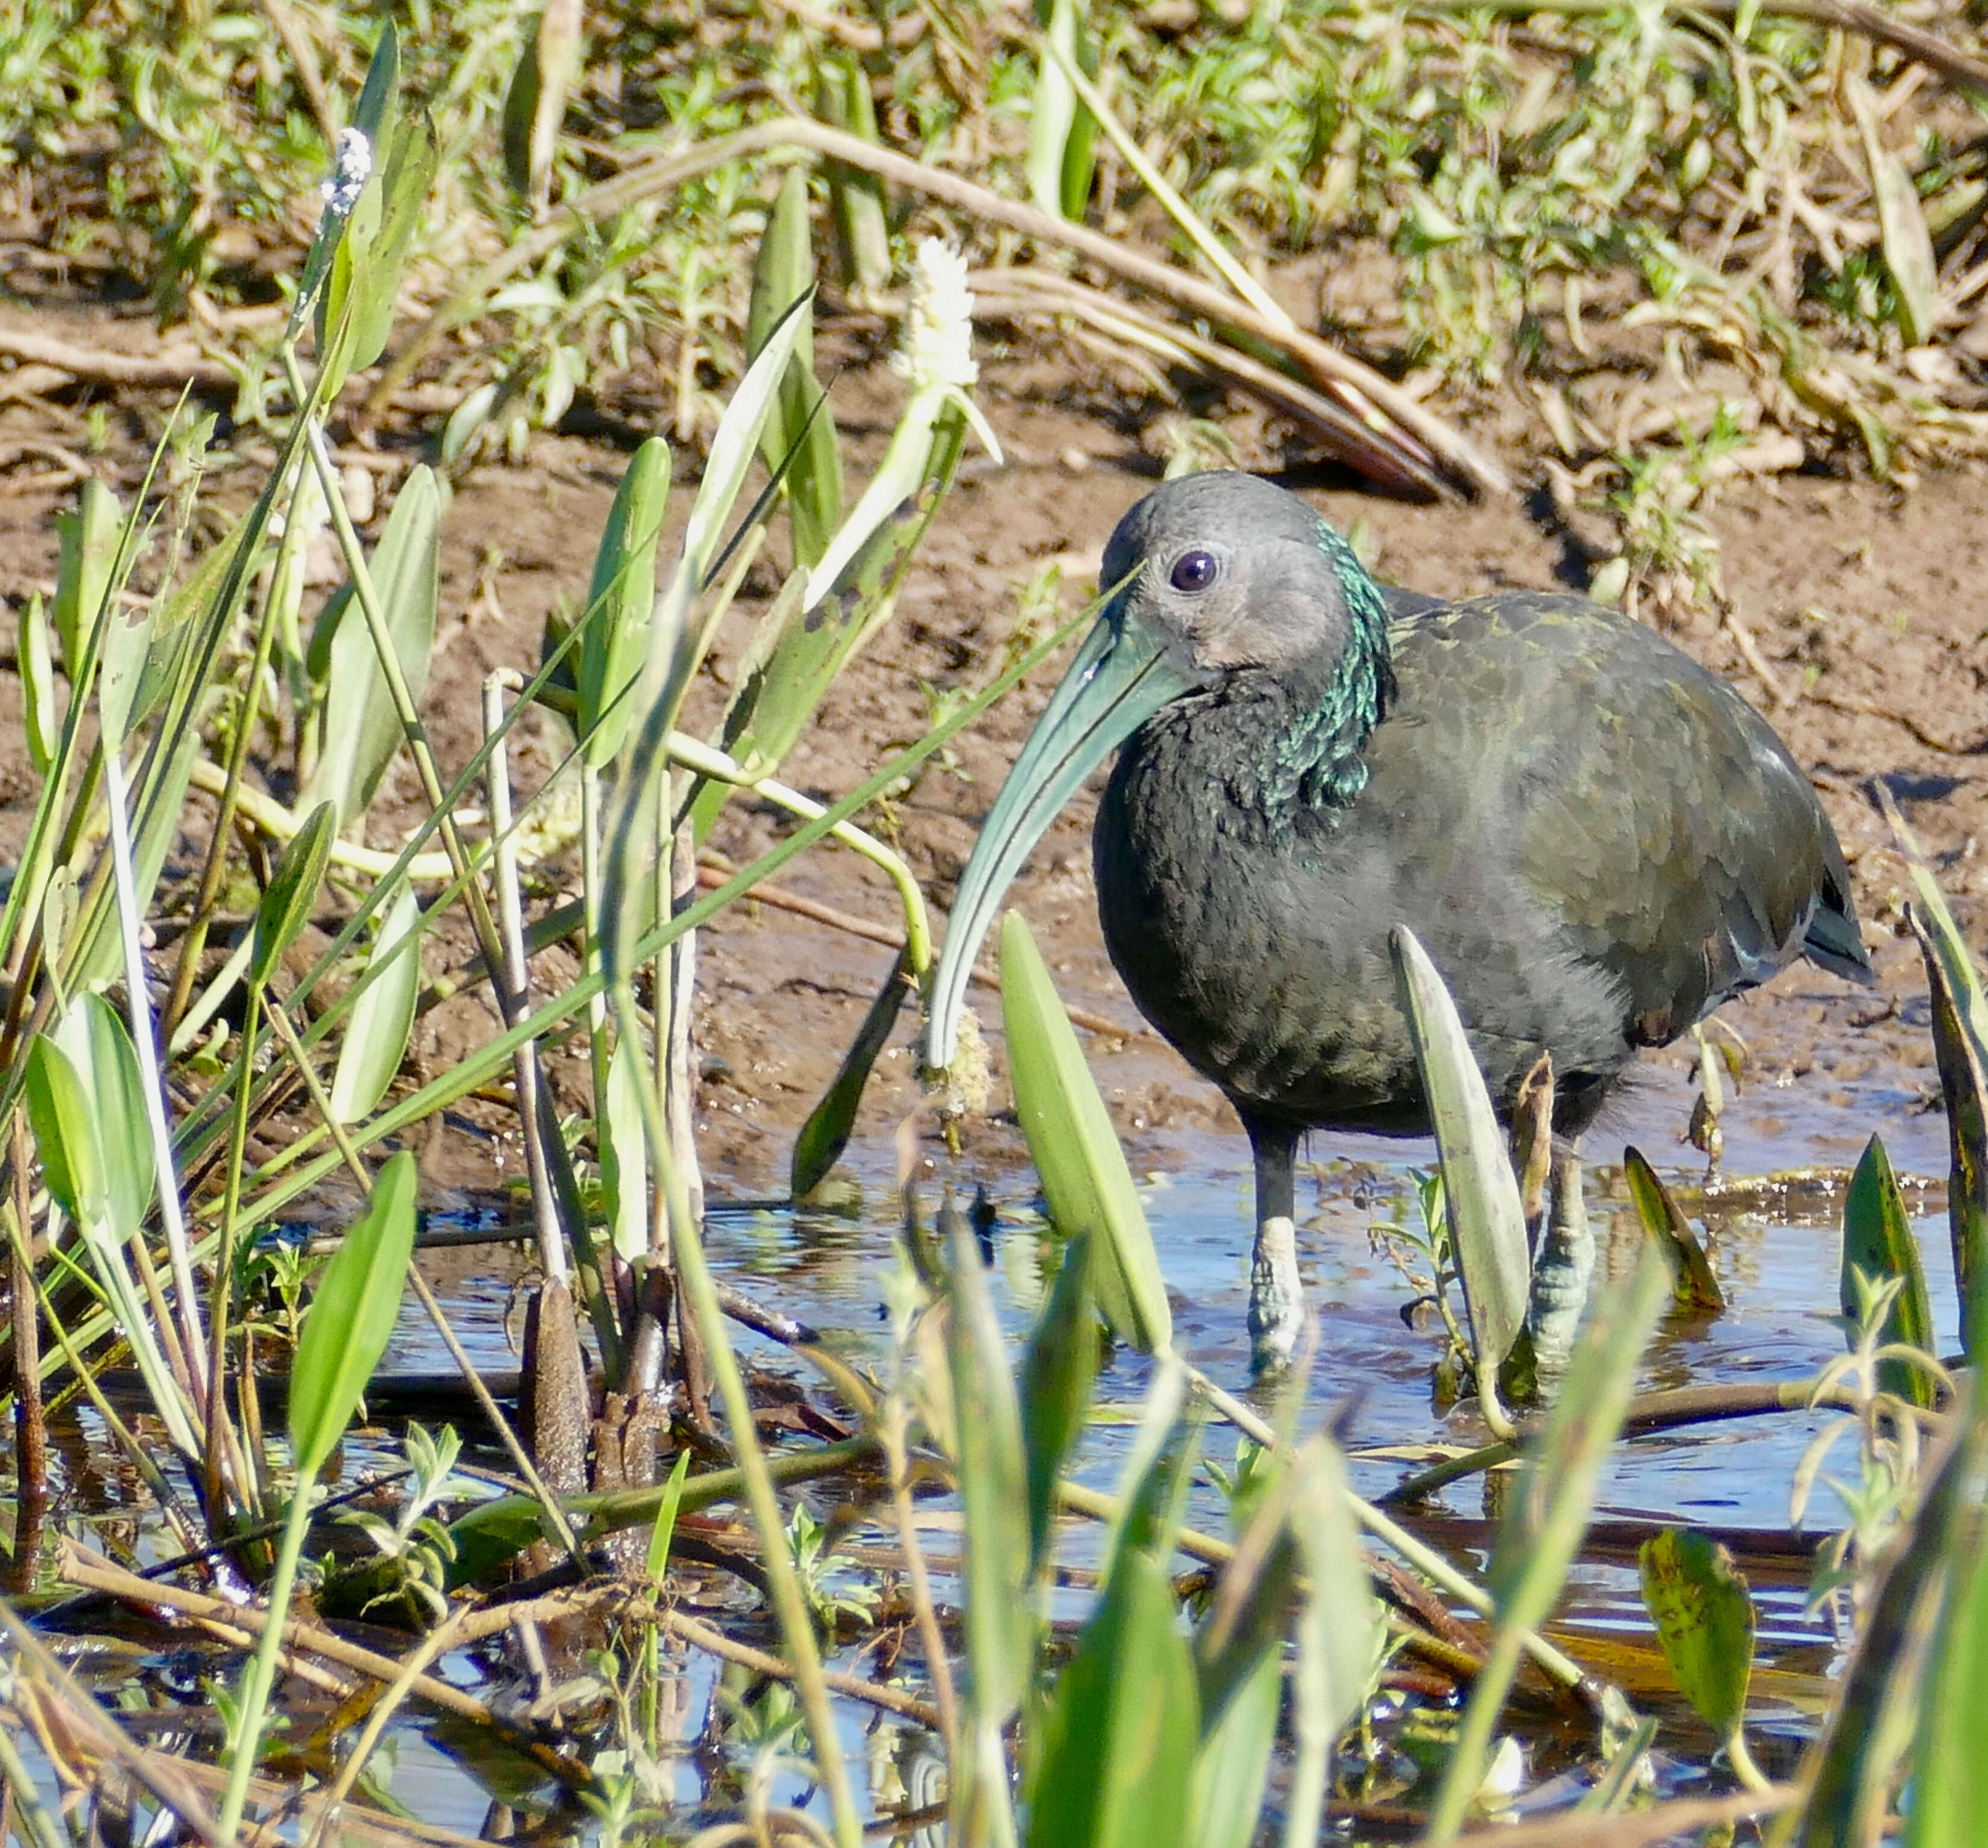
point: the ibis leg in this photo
(1564, 1266)
(1276, 1297)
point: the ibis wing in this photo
(1657, 816)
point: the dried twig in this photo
(714, 1642)
(1397, 430)
(172, 367)
(1869, 708)
(1032, 290)
(1923, 47)
(78, 1568)
(94, 1729)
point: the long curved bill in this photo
(1120, 678)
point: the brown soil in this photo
(1860, 599)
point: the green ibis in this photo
(1596, 841)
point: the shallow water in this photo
(1774, 1247)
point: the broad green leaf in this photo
(383, 1017)
(855, 198)
(625, 1153)
(373, 115)
(1962, 1050)
(1704, 1615)
(1692, 1285)
(1851, 1771)
(351, 1317)
(1878, 1240)
(664, 1530)
(292, 895)
(754, 401)
(1118, 1742)
(1487, 1221)
(1902, 225)
(41, 700)
(1548, 1510)
(63, 1117)
(1000, 1624)
(362, 277)
(1062, 132)
(1251, 1611)
(800, 436)
(1949, 1786)
(535, 105)
(619, 601)
(1960, 1043)
(161, 808)
(87, 544)
(1231, 1766)
(1058, 1372)
(126, 649)
(362, 729)
(68, 1118)
(93, 1035)
(1338, 1629)
(1076, 1150)
(825, 1133)
(672, 649)
(801, 646)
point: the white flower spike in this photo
(351, 167)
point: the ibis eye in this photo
(1193, 571)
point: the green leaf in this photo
(855, 198)
(1076, 1150)
(1062, 132)
(1693, 1286)
(383, 1017)
(1902, 225)
(1487, 1221)
(1950, 1785)
(372, 115)
(806, 640)
(534, 104)
(1253, 1599)
(799, 436)
(1548, 1510)
(825, 1133)
(625, 1153)
(664, 1530)
(93, 1035)
(64, 1121)
(1878, 1240)
(1232, 1767)
(42, 704)
(362, 277)
(351, 1317)
(1118, 1741)
(1339, 1631)
(362, 729)
(1000, 1623)
(1960, 1043)
(619, 601)
(1852, 1775)
(291, 894)
(1704, 1615)
(1058, 1372)
(87, 543)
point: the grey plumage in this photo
(1597, 841)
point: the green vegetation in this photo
(549, 208)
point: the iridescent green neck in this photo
(1316, 760)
